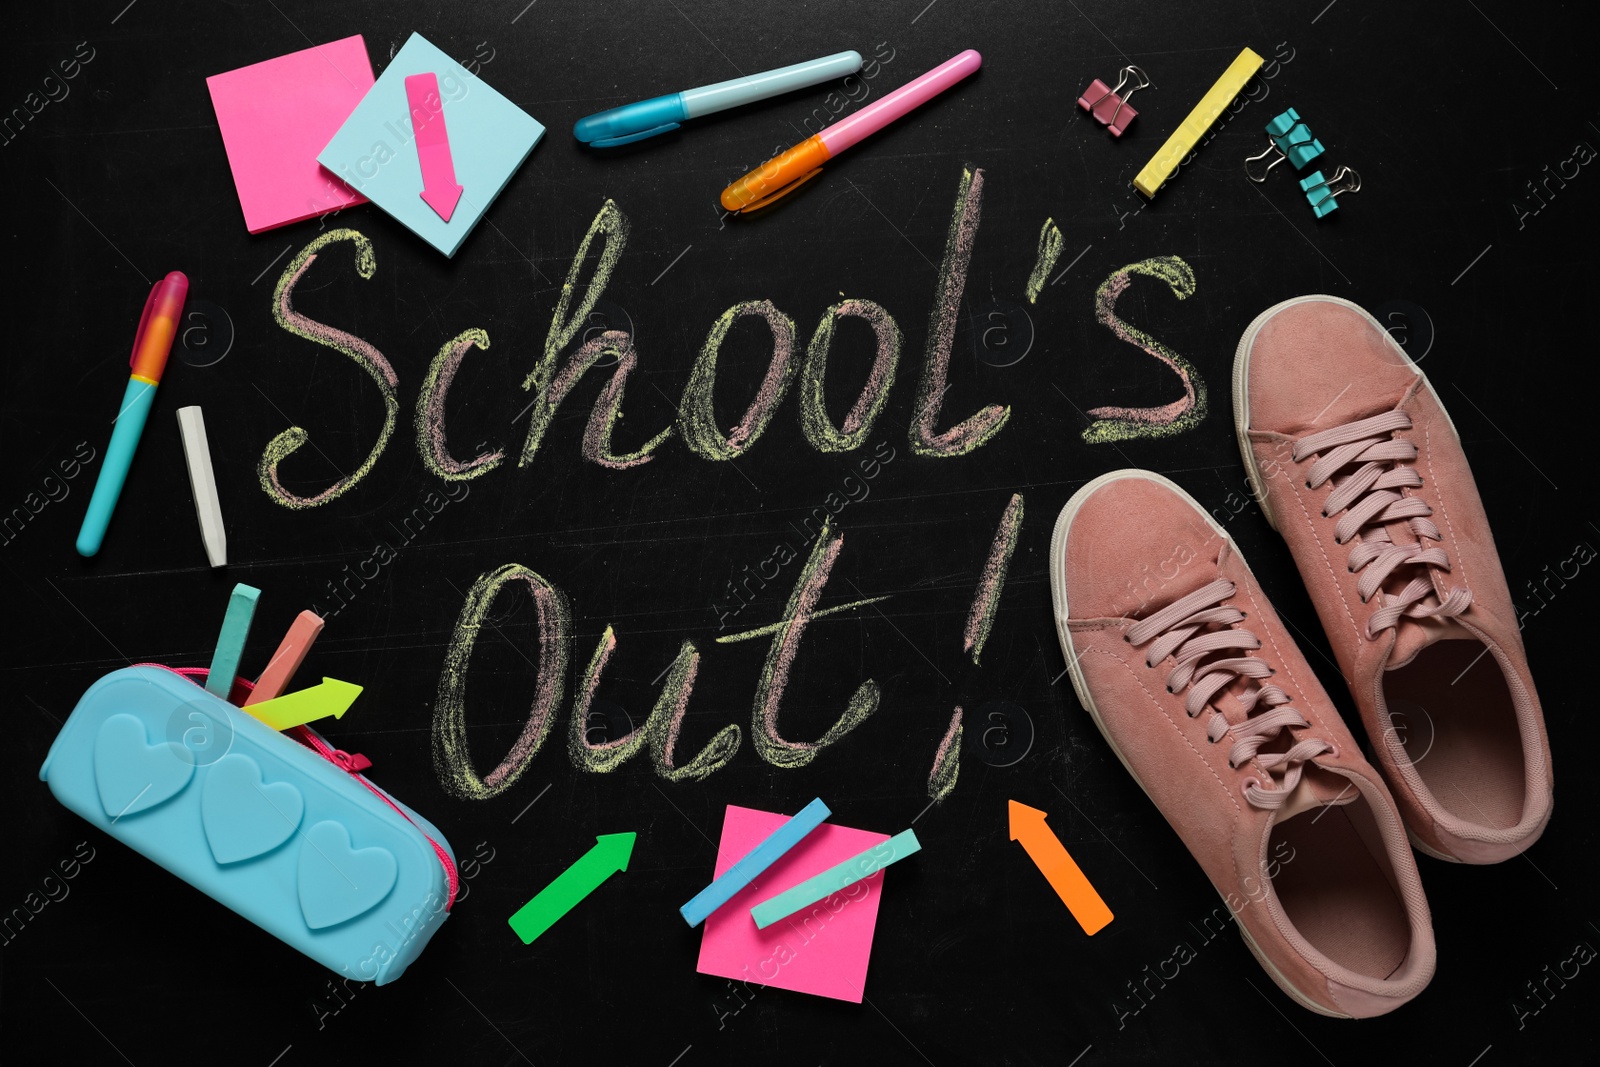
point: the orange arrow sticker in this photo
(1064, 876)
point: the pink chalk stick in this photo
(291, 652)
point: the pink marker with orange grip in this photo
(163, 311)
(781, 175)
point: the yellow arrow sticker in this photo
(332, 697)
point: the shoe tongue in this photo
(1414, 635)
(1346, 405)
(1317, 789)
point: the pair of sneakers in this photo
(1201, 692)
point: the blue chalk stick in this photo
(832, 880)
(230, 642)
(754, 862)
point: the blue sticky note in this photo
(230, 641)
(375, 150)
(752, 863)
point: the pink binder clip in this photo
(1110, 105)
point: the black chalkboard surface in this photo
(1474, 128)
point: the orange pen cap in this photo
(777, 177)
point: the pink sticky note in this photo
(275, 118)
(823, 950)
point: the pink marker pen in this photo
(782, 175)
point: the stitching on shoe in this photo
(1169, 721)
(1456, 557)
(1536, 753)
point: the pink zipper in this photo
(352, 763)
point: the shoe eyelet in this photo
(1171, 693)
(1128, 639)
(1333, 750)
(1308, 483)
(1324, 512)
(1249, 784)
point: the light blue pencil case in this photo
(280, 827)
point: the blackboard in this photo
(1473, 127)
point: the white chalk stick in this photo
(192, 424)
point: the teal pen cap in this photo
(631, 122)
(647, 118)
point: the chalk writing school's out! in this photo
(552, 380)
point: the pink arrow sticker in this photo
(439, 188)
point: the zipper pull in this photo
(354, 762)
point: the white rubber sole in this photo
(1282, 980)
(1058, 594)
(1241, 379)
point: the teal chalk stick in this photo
(230, 642)
(832, 880)
(752, 863)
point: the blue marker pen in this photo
(635, 122)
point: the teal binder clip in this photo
(1287, 138)
(1323, 193)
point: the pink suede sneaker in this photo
(1203, 696)
(1356, 463)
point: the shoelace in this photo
(1194, 628)
(1370, 496)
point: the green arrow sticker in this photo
(608, 856)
